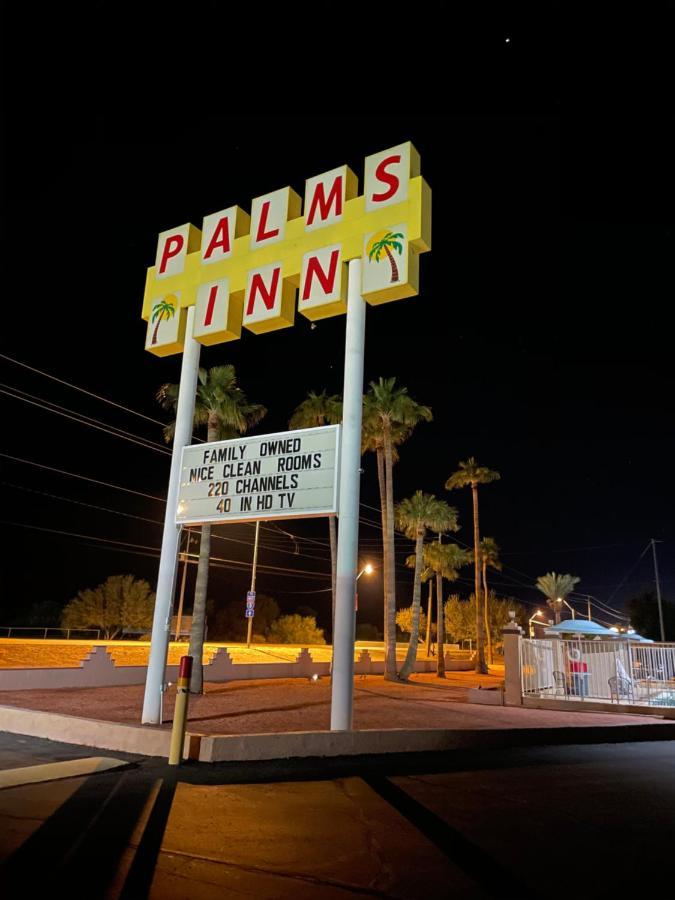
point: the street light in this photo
(368, 569)
(531, 619)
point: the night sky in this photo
(535, 338)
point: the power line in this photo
(629, 572)
(117, 487)
(54, 407)
(82, 390)
(82, 420)
(152, 521)
(280, 570)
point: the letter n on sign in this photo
(269, 302)
(323, 283)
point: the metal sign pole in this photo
(342, 688)
(168, 561)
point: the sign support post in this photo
(342, 688)
(168, 561)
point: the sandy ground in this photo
(266, 706)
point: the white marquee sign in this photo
(288, 475)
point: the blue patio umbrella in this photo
(581, 627)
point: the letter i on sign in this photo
(218, 313)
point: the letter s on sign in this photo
(388, 178)
(387, 175)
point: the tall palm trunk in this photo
(332, 530)
(196, 650)
(411, 656)
(430, 609)
(481, 666)
(390, 658)
(440, 625)
(385, 548)
(486, 594)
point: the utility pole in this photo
(179, 616)
(658, 589)
(589, 608)
(249, 627)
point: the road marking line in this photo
(52, 771)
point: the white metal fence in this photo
(617, 671)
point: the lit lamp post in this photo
(368, 569)
(531, 620)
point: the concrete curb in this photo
(71, 768)
(150, 741)
(145, 740)
(302, 744)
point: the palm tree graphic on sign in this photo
(382, 242)
(165, 309)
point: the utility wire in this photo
(42, 404)
(82, 390)
(56, 406)
(629, 572)
(117, 487)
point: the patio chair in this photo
(619, 688)
(561, 686)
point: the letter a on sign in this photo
(219, 231)
(270, 301)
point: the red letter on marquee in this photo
(327, 281)
(267, 297)
(221, 238)
(213, 293)
(262, 234)
(175, 241)
(387, 178)
(319, 199)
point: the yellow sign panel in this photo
(240, 270)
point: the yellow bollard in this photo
(180, 711)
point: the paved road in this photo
(591, 821)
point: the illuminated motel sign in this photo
(332, 253)
(242, 269)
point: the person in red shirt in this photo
(578, 670)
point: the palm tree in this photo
(223, 407)
(383, 241)
(427, 576)
(391, 413)
(372, 439)
(322, 409)
(445, 560)
(556, 589)
(470, 474)
(165, 309)
(489, 556)
(414, 516)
